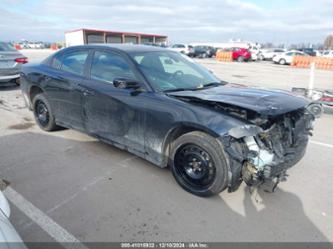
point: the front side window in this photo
(107, 66)
(167, 70)
(74, 62)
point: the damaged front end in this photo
(261, 151)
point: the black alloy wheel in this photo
(195, 165)
(42, 113)
(199, 164)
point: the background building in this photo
(89, 36)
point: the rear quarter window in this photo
(56, 62)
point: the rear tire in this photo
(43, 113)
(199, 164)
(240, 59)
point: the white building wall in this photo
(74, 38)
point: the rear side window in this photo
(74, 62)
(107, 66)
(56, 62)
(178, 46)
(6, 47)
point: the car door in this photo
(67, 71)
(112, 113)
(289, 57)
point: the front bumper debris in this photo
(265, 157)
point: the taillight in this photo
(327, 99)
(22, 60)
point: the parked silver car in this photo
(9, 238)
(11, 61)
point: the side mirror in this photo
(126, 83)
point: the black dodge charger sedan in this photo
(162, 106)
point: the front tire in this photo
(199, 164)
(43, 113)
(282, 62)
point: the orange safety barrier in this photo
(223, 56)
(17, 46)
(54, 46)
(305, 61)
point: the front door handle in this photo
(88, 92)
(85, 91)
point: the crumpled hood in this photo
(262, 101)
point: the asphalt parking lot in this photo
(65, 185)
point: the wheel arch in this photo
(33, 91)
(177, 131)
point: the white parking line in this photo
(58, 233)
(322, 144)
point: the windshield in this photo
(167, 71)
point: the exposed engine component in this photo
(257, 166)
(256, 156)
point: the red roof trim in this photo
(115, 32)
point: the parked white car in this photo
(287, 57)
(183, 48)
(269, 54)
(255, 54)
(328, 54)
(36, 45)
(318, 52)
(8, 234)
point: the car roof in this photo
(128, 48)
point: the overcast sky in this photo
(279, 21)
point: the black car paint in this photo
(262, 101)
(142, 122)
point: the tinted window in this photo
(74, 62)
(6, 47)
(178, 46)
(56, 62)
(106, 66)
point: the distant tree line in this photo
(328, 43)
